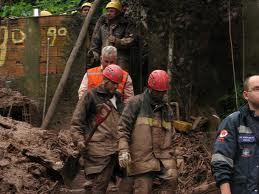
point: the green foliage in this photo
(228, 101)
(56, 6)
(24, 8)
(18, 9)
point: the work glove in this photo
(81, 146)
(112, 39)
(124, 159)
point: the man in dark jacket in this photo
(115, 30)
(145, 138)
(235, 162)
(100, 155)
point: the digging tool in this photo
(101, 116)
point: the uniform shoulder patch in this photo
(223, 133)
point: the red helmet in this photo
(158, 80)
(113, 72)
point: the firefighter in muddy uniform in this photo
(100, 154)
(145, 138)
(235, 162)
(115, 30)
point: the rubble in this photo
(32, 160)
(13, 104)
(35, 161)
(195, 175)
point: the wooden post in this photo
(69, 64)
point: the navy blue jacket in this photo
(236, 152)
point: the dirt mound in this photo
(41, 161)
(13, 104)
(32, 160)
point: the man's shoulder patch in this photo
(223, 133)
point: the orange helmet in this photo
(158, 80)
(113, 72)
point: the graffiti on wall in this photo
(53, 32)
(17, 36)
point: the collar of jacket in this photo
(119, 19)
(245, 110)
(101, 90)
(153, 104)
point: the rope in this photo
(244, 46)
(232, 52)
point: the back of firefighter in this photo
(145, 138)
(93, 77)
(115, 30)
(100, 155)
(235, 162)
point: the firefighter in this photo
(145, 135)
(93, 77)
(85, 8)
(235, 163)
(115, 30)
(100, 154)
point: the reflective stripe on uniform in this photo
(222, 158)
(244, 129)
(152, 122)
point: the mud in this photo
(44, 161)
(13, 104)
(194, 149)
(31, 160)
(36, 161)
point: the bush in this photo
(25, 8)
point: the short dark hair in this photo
(246, 82)
(246, 85)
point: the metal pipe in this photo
(177, 109)
(46, 81)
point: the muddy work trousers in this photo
(143, 184)
(100, 181)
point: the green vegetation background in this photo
(24, 8)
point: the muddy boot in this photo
(88, 186)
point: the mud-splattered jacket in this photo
(105, 139)
(145, 132)
(122, 29)
(236, 152)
